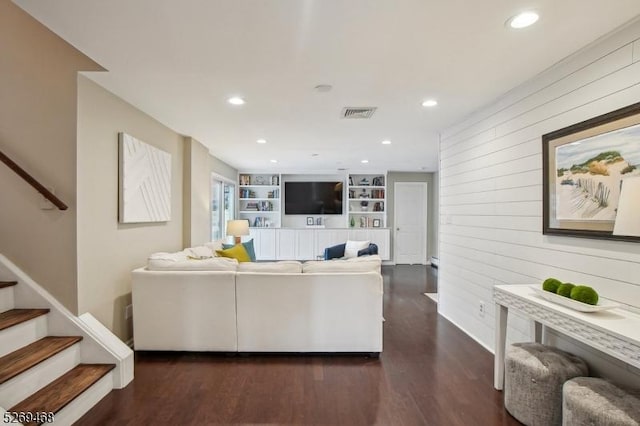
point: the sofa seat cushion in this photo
(284, 266)
(181, 261)
(356, 264)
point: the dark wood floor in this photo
(430, 373)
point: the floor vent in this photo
(357, 112)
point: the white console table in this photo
(615, 332)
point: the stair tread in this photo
(4, 284)
(33, 354)
(57, 394)
(16, 316)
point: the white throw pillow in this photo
(200, 252)
(284, 266)
(215, 245)
(352, 248)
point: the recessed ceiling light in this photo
(364, 161)
(314, 155)
(386, 142)
(523, 20)
(236, 100)
(261, 141)
(429, 103)
(274, 161)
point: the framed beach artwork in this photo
(591, 177)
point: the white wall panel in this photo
(602, 67)
(480, 162)
(570, 65)
(491, 193)
(532, 162)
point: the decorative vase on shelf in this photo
(352, 223)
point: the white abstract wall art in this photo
(144, 182)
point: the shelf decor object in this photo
(590, 177)
(144, 182)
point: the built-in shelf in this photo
(259, 199)
(369, 191)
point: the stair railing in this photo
(32, 181)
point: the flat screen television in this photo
(313, 198)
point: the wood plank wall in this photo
(491, 196)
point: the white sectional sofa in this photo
(321, 306)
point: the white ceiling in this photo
(179, 61)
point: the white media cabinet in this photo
(309, 243)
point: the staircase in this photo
(42, 374)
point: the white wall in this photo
(107, 250)
(491, 195)
(38, 107)
(196, 188)
(198, 167)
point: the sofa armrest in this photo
(371, 250)
(334, 252)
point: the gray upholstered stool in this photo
(590, 401)
(534, 375)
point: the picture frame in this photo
(376, 223)
(310, 221)
(591, 177)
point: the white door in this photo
(410, 222)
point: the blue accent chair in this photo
(338, 251)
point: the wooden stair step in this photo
(56, 395)
(16, 316)
(4, 284)
(31, 355)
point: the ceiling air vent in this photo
(357, 112)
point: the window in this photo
(222, 206)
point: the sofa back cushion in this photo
(181, 261)
(284, 266)
(356, 264)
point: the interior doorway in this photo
(410, 223)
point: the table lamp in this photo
(237, 228)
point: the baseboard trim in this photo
(466, 332)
